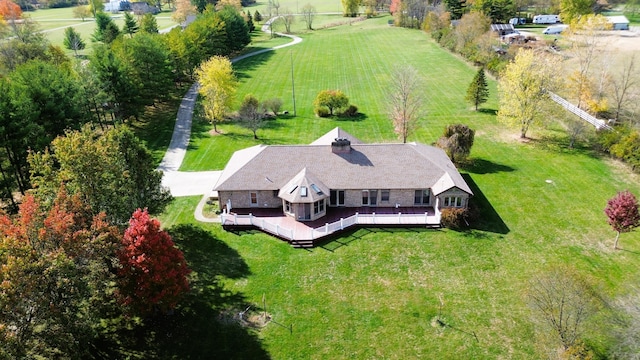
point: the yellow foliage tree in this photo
(234, 3)
(524, 87)
(218, 86)
(184, 8)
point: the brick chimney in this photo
(341, 146)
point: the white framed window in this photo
(253, 196)
(453, 201)
(384, 195)
(287, 206)
(370, 197)
(318, 206)
(422, 197)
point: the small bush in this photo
(274, 105)
(455, 218)
(352, 111)
(322, 112)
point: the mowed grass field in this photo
(54, 21)
(376, 293)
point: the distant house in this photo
(502, 29)
(619, 22)
(338, 177)
(141, 8)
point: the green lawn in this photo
(330, 59)
(374, 293)
(54, 21)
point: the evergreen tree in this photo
(130, 24)
(250, 24)
(149, 24)
(456, 8)
(478, 90)
(106, 30)
(72, 40)
(257, 16)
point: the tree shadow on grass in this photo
(493, 112)
(482, 166)
(357, 117)
(561, 144)
(199, 328)
(344, 238)
(246, 65)
(488, 218)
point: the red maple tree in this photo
(622, 211)
(10, 10)
(396, 5)
(153, 272)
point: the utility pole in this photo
(293, 87)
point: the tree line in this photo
(44, 92)
(83, 263)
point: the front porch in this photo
(307, 234)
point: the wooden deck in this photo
(307, 234)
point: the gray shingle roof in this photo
(367, 166)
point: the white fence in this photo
(598, 123)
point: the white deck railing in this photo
(330, 228)
(260, 222)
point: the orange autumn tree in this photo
(153, 272)
(54, 278)
(10, 10)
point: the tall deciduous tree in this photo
(562, 302)
(218, 86)
(524, 87)
(72, 40)
(96, 6)
(112, 171)
(236, 4)
(457, 141)
(130, 24)
(81, 12)
(26, 42)
(10, 11)
(573, 9)
(478, 90)
(55, 278)
(287, 19)
(623, 84)
(308, 14)
(405, 102)
(153, 272)
(184, 8)
(350, 7)
(251, 113)
(622, 212)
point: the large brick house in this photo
(338, 171)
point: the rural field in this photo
(379, 293)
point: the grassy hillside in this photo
(375, 293)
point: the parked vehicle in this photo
(546, 19)
(517, 21)
(554, 30)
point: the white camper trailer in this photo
(546, 19)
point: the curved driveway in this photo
(188, 183)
